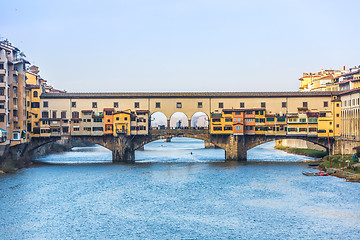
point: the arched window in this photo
(35, 94)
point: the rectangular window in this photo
(157, 105)
(263, 105)
(136, 104)
(242, 105)
(200, 105)
(54, 114)
(63, 114)
(73, 104)
(45, 114)
(302, 120)
(116, 104)
(45, 104)
(305, 104)
(34, 104)
(221, 105)
(75, 115)
(326, 104)
(2, 119)
(283, 104)
(217, 128)
(94, 104)
(1, 78)
(179, 105)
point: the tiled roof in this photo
(187, 94)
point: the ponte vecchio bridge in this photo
(76, 116)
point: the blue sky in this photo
(182, 45)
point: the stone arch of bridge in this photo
(259, 140)
(140, 142)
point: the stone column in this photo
(122, 150)
(168, 124)
(235, 148)
(189, 123)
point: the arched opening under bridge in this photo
(200, 120)
(179, 149)
(179, 120)
(158, 120)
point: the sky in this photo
(189, 45)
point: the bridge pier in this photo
(122, 150)
(235, 149)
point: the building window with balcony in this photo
(63, 114)
(221, 105)
(326, 104)
(35, 94)
(45, 114)
(200, 105)
(116, 104)
(137, 105)
(242, 105)
(305, 104)
(94, 104)
(45, 104)
(178, 105)
(157, 105)
(283, 104)
(73, 104)
(75, 114)
(263, 104)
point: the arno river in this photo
(170, 193)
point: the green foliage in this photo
(303, 151)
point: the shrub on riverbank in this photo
(337, 161)
(303, 151)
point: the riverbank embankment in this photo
(344, 166)
(303, 151)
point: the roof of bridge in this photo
(187, 94)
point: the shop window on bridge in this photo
(215, 120)
(97, 119)
(321, 131)
(65, 129)
(228, 128)
(292, 129)
(270, 119)
(242, 105)
(302, 120)
(217, 128)
(228, 120)
(95, 129)
(302, 130)
(312, 120)
(312, 129)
